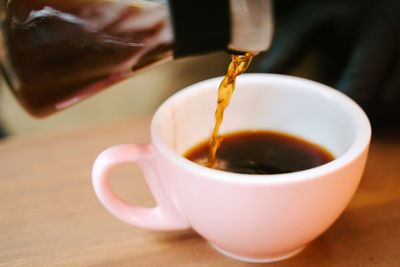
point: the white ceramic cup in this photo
(247, 217)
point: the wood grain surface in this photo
(50, 216)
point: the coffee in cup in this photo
(261, 152)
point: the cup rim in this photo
(360, 144)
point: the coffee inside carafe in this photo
(59, 52)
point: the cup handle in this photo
(164, 216)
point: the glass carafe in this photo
(54, 53)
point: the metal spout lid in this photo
(251, 25)
(210, 25)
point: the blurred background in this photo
(350, 45)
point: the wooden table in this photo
(49, 215)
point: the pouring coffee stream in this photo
(239, 64)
